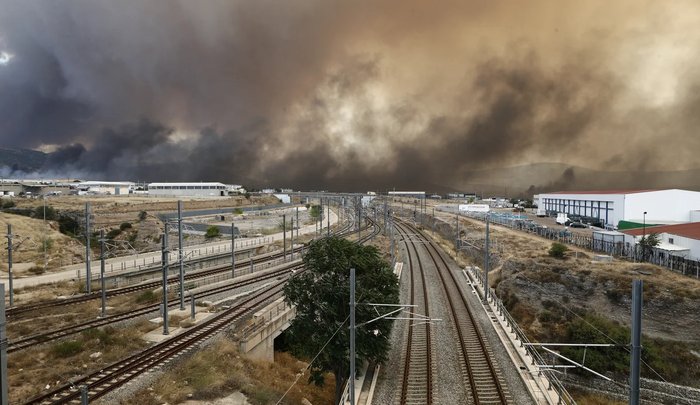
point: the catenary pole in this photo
(284, 237)
(4, 391)
(9, 264)
(486, 262)
(233, 250)
(88, 275)
(181, 257)
(103, 289)
(636, 353)
(328, 217)
(164, 262)
(352, 337)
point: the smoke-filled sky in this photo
(349, 94)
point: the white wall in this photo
(662, 206)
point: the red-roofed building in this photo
(678, 239)
(670, 206)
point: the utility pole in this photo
(9, 264)
(88, 275)
(4, 392)
(284, 237)
(457, 237)
(83, 394)
(181, 256)
(636, 338)
(352, 336)
(164, 261)
(291, 238)
(233, 250)
(297, 223)
(391, 224)
(486, 263)
(102, 273)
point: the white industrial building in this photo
(105, 187)
(189, 189)
(612, 206)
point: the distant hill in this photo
(25, 160)
(544, 177)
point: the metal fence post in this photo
(84, 395)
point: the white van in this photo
(562, 218)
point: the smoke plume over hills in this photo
(351, 95)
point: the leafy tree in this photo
(647, 243)
(558, 250)
(68, 225)
(321, 296)
(212, 232)
(7, 204)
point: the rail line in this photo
(417, 383)
(37, 339)
(478, 367)
(119, 373)
(18, 310)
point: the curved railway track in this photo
(479, 370)
(119, 373)
(19, 310)
(417, 383)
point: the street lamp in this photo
(644, 236)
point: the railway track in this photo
(479, 370)
(37, 339)
(417, 383)
(34, 340)
(15, 312)
(119, 373)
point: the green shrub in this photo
(7, 204)
(558, 250)
(68, 225)
(146, 296)
(36, 270)
(142, 215)
(237, 211)
(67, 349)
(125, 225)
(212, 232)
(113, 233)
(49, 210)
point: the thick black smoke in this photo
(350, 95)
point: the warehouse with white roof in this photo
(188, 189)
(671, 206)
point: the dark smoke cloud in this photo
(350, 95)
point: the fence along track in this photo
(417, 384)
(478, 368)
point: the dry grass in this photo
(585, 398)
(30, 371)
(219, 370)
(28, 249)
